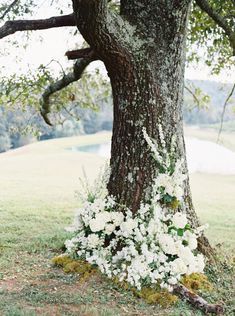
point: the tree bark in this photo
(144, 54)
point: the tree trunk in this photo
(144, 53)
(151, 95)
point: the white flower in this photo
(186, 255)
(93, 241)
(200, 263)
(103, 216)
(148, 242)
(179, 220)
(167, 244)
(178, 266)
(109, 228)
(98, 205)
(178, 192)
(200, 229)
(191, 240)
(152, 146)
(172, 280)
(110, 201)
(128, 226)
(117, 218)
(70, 244)
(96, 225)
(153, 227)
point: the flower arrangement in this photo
(156, 245)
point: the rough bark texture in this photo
(144, 53)
(197, 300)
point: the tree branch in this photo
(219, 20)
(197, 300)
(75, 75)
(223, 112)
(193, 95)
(8, 9)
(91, 18)
(11, 27)
(80, 53)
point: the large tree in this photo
(142, 45)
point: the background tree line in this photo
(203, 105)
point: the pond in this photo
(202, 156)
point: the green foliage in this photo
(23, 91)
(74, 108)
(196, 97)
(12, 9)
(206, 35)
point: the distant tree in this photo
(5, 141)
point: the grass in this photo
(37, 185)
(227, 137)
(228, 126)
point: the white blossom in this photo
(156, 245)
(128, 226)
(93, 241)
(179, 220)
(167, 244)
(109, 228)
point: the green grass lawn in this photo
(37, 200)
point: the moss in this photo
(123, 285)
(61, 261)
(174, 204)
(69, 265)
(158, 296)
(197, 281)
(150, 295)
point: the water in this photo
(202, 156)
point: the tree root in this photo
(197, 300)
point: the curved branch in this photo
(223, 112)
(106, 32)
(193, 95)
(197, 300)
(219, 20)
(11, 27)
(75, 75)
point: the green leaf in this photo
(180, 232)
